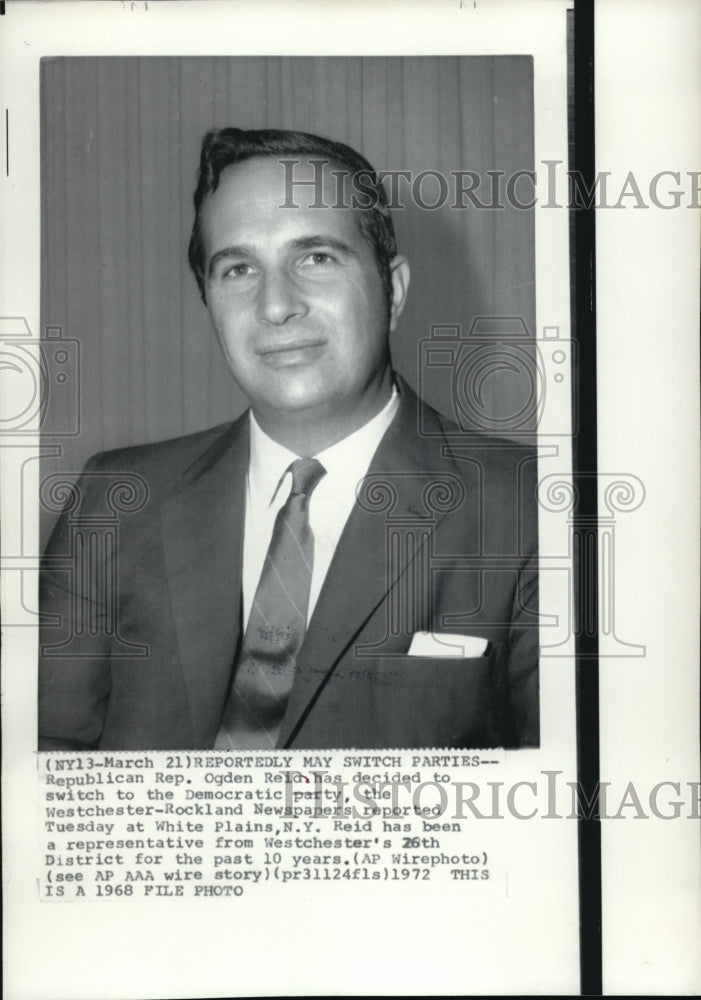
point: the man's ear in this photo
(399, 276)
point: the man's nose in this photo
(279, 298)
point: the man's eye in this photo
(238, 271)
(316, 258)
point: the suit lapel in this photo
(363, 570)
(202, 534)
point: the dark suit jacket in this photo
(144, 607)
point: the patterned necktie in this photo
(276, 625)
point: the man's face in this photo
(295, 297)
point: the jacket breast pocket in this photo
(441, 701)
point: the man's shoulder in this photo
(502, 470)
(493, 450)
(499, 476)
(171, 459)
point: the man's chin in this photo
(294, 400)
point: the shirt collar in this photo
(346, 461)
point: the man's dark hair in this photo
(222, 148)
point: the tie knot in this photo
(306, 473)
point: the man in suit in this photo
(336, 568)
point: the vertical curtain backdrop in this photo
(120, 149)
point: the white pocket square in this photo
(447, 644)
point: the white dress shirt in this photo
(268, 488)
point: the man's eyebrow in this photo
(323, 240)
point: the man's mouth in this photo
(294, 352)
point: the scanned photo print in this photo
(299, 614)
(347, 546)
